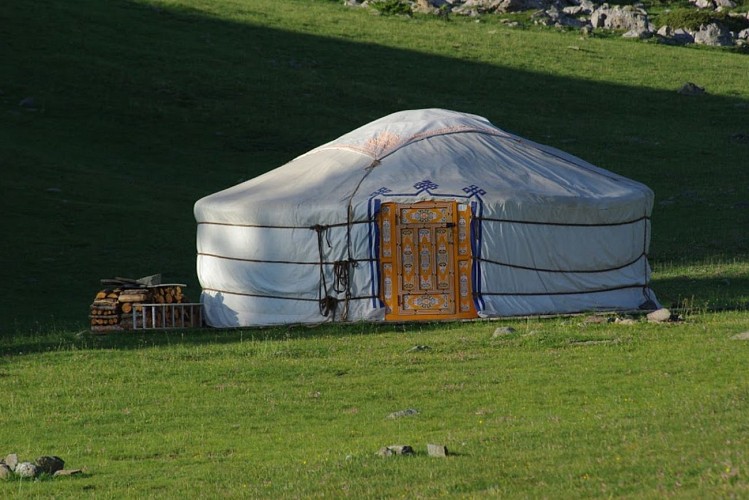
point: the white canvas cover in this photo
(554, 234)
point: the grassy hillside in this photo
(118, 115)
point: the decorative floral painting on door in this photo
(425, 254)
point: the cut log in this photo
(133, 297)
(104, 305)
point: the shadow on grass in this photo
(143, 110)
(712, 294)
(35, 343)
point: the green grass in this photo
(558, 409)
(693, 19)
(142, 107)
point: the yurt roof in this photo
(450, 150)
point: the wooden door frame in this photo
(388, 221)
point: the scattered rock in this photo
(11, 461)
(704, 4)
(690, 88)
(436, 450)
(741, 336)
(627, 18)
(740, 138)
(713, 34)
(50, 465)
(417, 348)
(575, 10)
(555, 17)
(395, 449)
(502, 331)
(665, 31)
(659, 316)
(515, 5)
(683, 37)
(404, 413)
(637, 33)
(28, 103)
(624, 321)
(68, 472)
(26, 469)
(589, 15)
(385, 452)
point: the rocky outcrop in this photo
(587, 15)
(626, 18)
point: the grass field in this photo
(118, 115)
(558, 409)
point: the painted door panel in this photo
(426, 260)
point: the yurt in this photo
(424, 215)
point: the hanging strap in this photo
(327, 303)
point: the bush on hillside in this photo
(392, 7)
(692, 19)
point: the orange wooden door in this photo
(425, 254)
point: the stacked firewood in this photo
(105, 310)
(132, 306)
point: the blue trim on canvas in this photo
(476, 242)
(374, 251)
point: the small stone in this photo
(404, 413)
(26, 469)
(385, 452)
(417, 348)
(637, 33)
(665, 31)
(5, 472)
(395, 449)
(68, 472)
(50, 465)
(659, 316)
(502, 331)
(690, 88)
(436, 450)
(741, 336)
(11, 461)
(27, 102)
(624, 321)
(741, 138)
